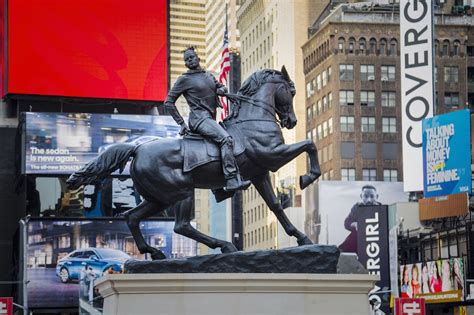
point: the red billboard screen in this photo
(115, 49)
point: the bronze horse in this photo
(157, 166)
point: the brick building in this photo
(352, 76)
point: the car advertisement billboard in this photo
(436, 281)
(61, 143)
(113, 49)
(61, 253)
(447, 154)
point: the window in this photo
(330, 152)
(388, 99)
(340, 44)
(314, 134)
(308, 136)
(456, 48)
(325, 154)
(451, 74)
(351, 45)
(347, 123)
(369, 150)
(388, 73)
(369, 174)
(320, 108)
(318, 82)
(451, 99)
(346, 72)
(325, 78)
(373, 45)
(393, 47)
(331, 174)
(390, 151)
(320, 132)
(445, 50)
(325, 103)
(390, 175)
(346, 97)
(329, 74)
(329, 100)
(367, 72)
(325, 129)
(347, 150)
(368, 124)
(383, 46)
(367, 98)
(347, 174)
(389, 124)
(309, 113)
(330, 128)
(362, 44)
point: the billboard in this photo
(114, 49)
(331, 209)
(62, 253)
(61, 143)
(417, 88)
(447, 154)
(372, 242)
(437, 281)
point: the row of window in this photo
(325, 154)
(255, 214)
(321, 131)
(321, 106)
(260, 235)
(389, 124)
(256, 32)
(319, 82)
(371, 48)
(367, 72)
(369, 174)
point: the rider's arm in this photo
(221, 89)
(174, 93)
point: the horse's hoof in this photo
(158, 255)
(304, 241)
(228, 248)
(305, 181)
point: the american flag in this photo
(224, 74)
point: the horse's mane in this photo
(255, 81)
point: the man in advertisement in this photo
(200, 90)
(368, 197)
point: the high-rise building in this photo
(352, 71)
(271, 35)
(187, 28)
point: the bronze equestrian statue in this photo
(200, 89)
(165, 172)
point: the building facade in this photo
(352, 75)
(271, 35)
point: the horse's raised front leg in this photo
(265, 189)
(134, 217)
(183, 226)
(286, 153)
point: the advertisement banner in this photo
(331, 209)
(417, 89)
(447, 154)
(436, 281)
(61, 143)
(6, 305)
(95, 49)
(409, 306)
(372, 244)
(62, 253)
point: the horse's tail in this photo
(112, 159)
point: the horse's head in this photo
(284, 101)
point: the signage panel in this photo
(372, 245)
(443, 207)
(409, 306)
(446, 154)
(6, 306)
(417, 89)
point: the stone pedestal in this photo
(241, 293)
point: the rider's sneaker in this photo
(236, 183)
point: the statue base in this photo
(242, 293)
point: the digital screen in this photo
(62, 143)
(115, 49)
(61, 254)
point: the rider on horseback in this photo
(200, 89)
